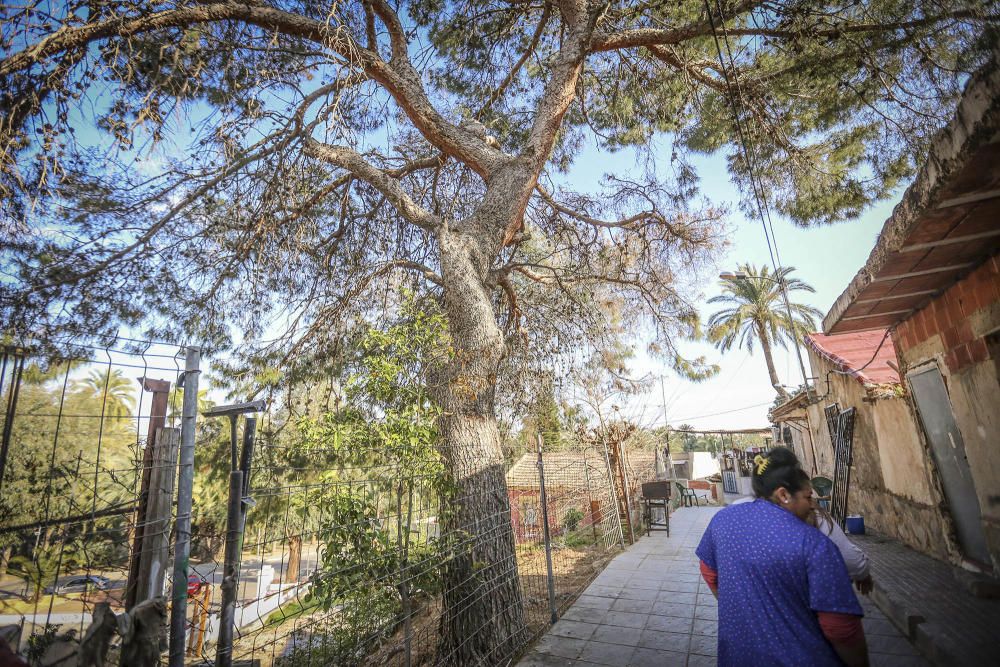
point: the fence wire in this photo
(355, 545)
(358, 551)
(74, 453)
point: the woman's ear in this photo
(781, 496)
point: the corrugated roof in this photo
(864, 354)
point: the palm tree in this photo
(688, 438)
(41, 571)
(756, 312)
(177, 400)
(111, 388)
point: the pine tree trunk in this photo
(294, 559)
(765, 345)
(5, 558)
(482, 621)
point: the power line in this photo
(737, 117)
(755, 183)
(724, 412)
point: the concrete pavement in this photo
(649, 607)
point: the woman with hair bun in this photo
(784, 594)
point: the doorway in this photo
(948, 450)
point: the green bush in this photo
(580, 539)
(363, 619)
(572, 519)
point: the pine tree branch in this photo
(639, 37)
(397, 77)
(498, 93)
(352, 161)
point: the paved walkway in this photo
(649, 607)
(949, 624)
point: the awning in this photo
(947, 223)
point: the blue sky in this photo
(826, 257)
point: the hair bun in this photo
(780, 457)
(778, 468)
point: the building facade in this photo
(933, 281)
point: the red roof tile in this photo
(850, 352)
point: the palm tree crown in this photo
(109, 387)
(756, 312)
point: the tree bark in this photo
(482, 620)
(765, 345)
(294, 559)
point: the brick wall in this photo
(952, 316)
(953, 332)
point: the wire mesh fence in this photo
(347, 544)
(361, 550)
(80, 484)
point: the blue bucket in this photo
(856, 525)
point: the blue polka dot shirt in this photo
(775, 573)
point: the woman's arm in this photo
(847, 635)
(711, 578)
(856, 560)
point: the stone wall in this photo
(960, 332)
(892, 483)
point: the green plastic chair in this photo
(823, 486)
(687, 495)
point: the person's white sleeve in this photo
(857, 563)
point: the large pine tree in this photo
(208, 166)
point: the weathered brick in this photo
(940, 319)
(920, 326)
(903, 338)
(951, 360)
(978, 351)
(951, 338)
(962, 357)
(953, 304)
(971, 285)
(964, 329)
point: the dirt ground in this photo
(574, 568)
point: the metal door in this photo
(948, 449)
(841, 423)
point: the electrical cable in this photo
(724, 412)
(854, 373)
(755, 183)
(737, 118)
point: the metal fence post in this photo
(545, 533)
(185, 490)
(239, 485)
(231, 570)
(8, 423)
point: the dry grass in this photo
(573, 567)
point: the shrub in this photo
(572, 519)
